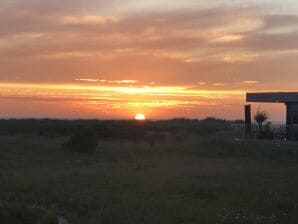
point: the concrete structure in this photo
(290, 99)
(247, 110)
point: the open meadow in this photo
(170, 172)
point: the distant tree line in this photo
(113, 129)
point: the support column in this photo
(288, 121)
(292, 121)
(247, 109)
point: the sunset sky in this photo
(163, 58)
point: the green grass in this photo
(210, 179)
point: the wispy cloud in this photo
(89, 80)
(250, 82)
(86, 20)
(108, 81)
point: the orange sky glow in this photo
(111, 59)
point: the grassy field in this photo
(191, 179)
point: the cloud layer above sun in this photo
(203, 45)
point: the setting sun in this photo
(140, 117)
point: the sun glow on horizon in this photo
(140, 117)
(110, 101)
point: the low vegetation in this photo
(18, 213)
(83, 141)
(155, 172)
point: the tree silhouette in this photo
(260, 117)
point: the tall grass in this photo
(165, 175)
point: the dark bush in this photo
(84, 141)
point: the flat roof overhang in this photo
(273, 97)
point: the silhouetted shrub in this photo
(84, 141)
(153, 138)
(261, 117)
(265, 134)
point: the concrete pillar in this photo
(247, 110)
(292, 121)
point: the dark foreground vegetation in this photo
(178, 171)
